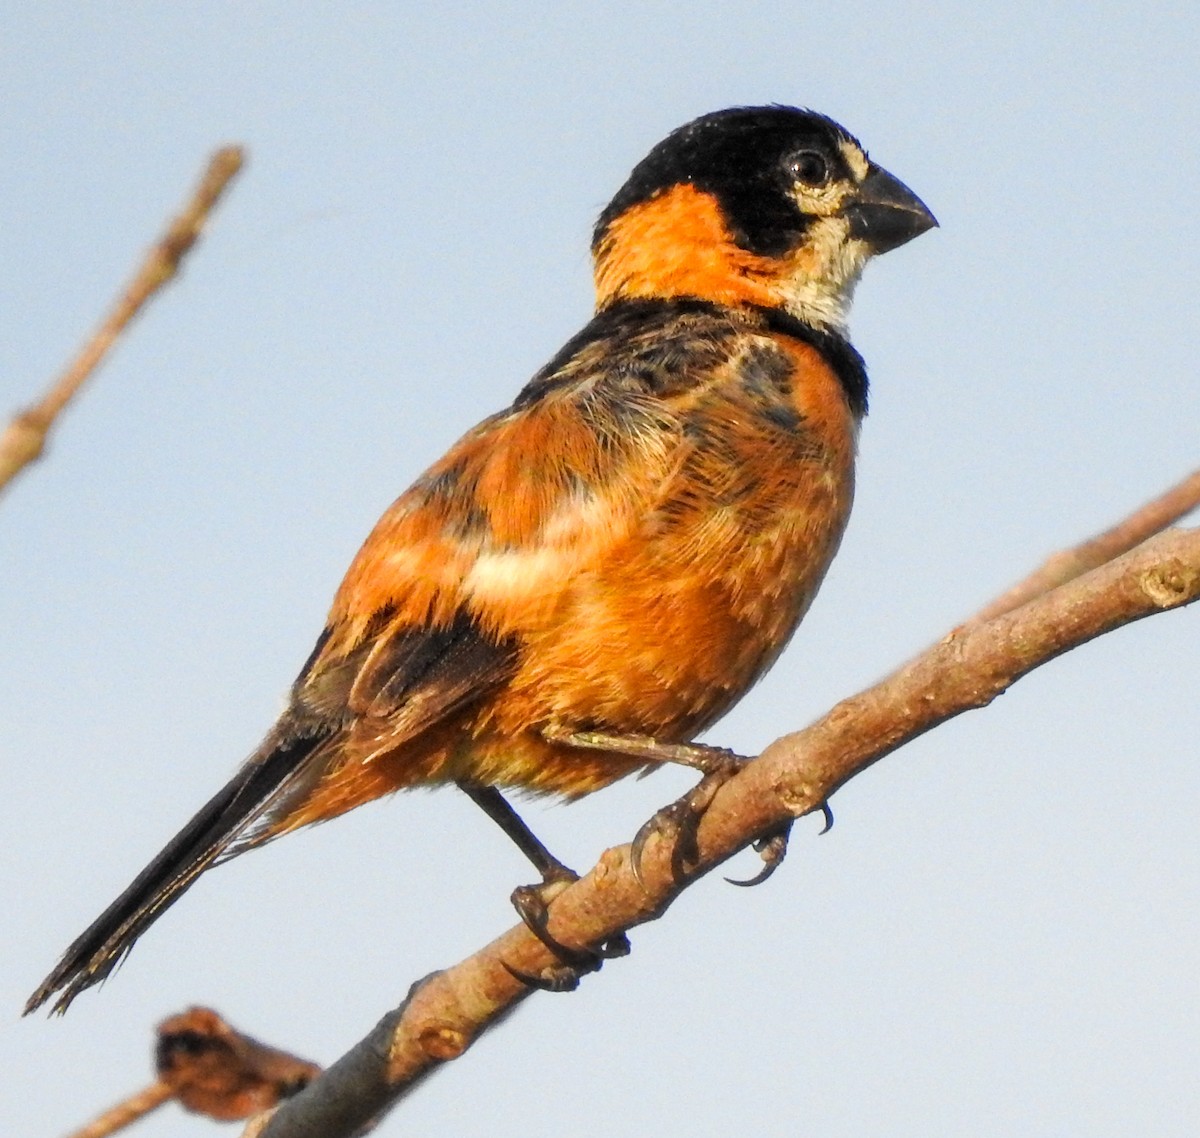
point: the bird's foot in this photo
(532, 903)
(680, 821)
(772, 848)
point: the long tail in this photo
(223, 821)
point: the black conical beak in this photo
(885, 213)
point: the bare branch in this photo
(1066, 565)
(25, 437)
(446, 1012)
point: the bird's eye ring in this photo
(809, 167)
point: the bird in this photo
(590, 578)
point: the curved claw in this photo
(679, 821)
(761, 876)
(562, 979)
(773, 849)
(828, 815)
(637, 846)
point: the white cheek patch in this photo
(821, 286)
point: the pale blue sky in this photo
(999, 937)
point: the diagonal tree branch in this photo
(447, 1011)
(24, 440)
(1067, 564)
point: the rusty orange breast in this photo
(679, 619)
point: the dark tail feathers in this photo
(223, 820)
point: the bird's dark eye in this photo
(809, 167)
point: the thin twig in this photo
(126, 1113)
(24, 440)
(1067, 564)
(795, 775)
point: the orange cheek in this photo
(677, 244)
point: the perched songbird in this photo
(605, 567)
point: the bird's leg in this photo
(707, 760)
(681, 819)
(532, 901)
(496, 807)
